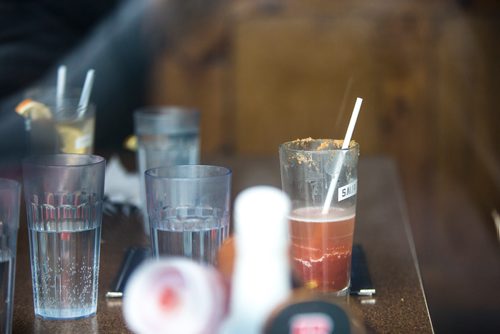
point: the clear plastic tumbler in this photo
(64, 195)
(188, 209)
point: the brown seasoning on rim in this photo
(304, 156)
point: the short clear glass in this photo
(65, 128)
(189, 209)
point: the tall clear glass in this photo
(321, 235)
(64, 195)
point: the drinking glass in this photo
(188, 208)
(59, 126)
(64, 195)
(321, 234)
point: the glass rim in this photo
(63, 160)
(166, 120)
(224, 172)
(288, 146)
(49, 92)
(47, 95)
(151, 112)
(70, 111)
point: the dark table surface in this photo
(382, 229)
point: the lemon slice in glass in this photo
(69, 138)
(33, 109)
(131, 143)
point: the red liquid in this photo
(321, 248)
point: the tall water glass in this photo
(10, 194)
(166, 136)
(64, 195)
(188, 209)
(321, 234)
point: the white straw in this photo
(61, 85)
(87, 88)
(340, 160)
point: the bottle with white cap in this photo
(261, 277)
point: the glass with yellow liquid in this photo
(58, 126)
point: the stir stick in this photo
(340, 160)
(87, 88)
(60, 86)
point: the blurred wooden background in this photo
(429, 73)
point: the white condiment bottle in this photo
(261, 277)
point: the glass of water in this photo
(166, 136)
(188, 208)
(63, 195)
(10, 194)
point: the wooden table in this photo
(382, 228)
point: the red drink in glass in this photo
(321, 246)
